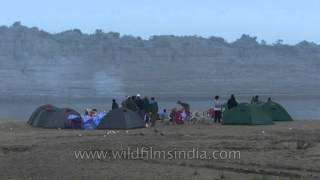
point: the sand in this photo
(286, 150)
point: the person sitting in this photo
(171, 115)
(269, 100)
(175, 116)
(232, 102)
(163, 115)
(210, 113)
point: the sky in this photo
(289, 20)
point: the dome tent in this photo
(48, 116)
(121, 118)
(276, 111)
(38, 110)
(246, 114)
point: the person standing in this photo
(115, 105)
(253, 99)
(145, 104)
(153, 108)
(185, 110)
(184, 105)
(139, 102)
(130, 104)
(145, 110)
(257, 100)
(232, 102)
(217, 107)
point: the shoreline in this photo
(21, 110)
(24, 121)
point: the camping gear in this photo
(246, 114)
(88, 122)
(276, 111)
(91, 122)
(75, 120)
(121, 118)
(38, 110)
(49, 116)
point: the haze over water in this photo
(87, 70)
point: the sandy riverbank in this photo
(267, 152)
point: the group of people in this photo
(231, 103)
(218, 107)
(256, 100)
(180, 114)
(145, 107)
(148, 109)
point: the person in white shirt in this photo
(217, 107)
(164, 115)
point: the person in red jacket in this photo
(176, 117)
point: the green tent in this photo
(246, 114)
(276, 111)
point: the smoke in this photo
(108, 83)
